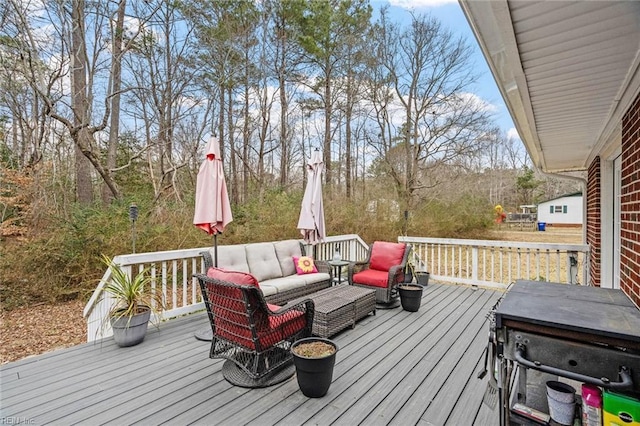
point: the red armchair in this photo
(383, 270)
(254, 337)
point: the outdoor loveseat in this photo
(273, 264)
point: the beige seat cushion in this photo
(285, 250)
(268, 290)
(232, 258)
(263, 262)
(314, 278)
(282, 284)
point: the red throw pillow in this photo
(236, 277)
(304, 265)
(384, 255)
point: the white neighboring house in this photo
(562, 211)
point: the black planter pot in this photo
(423, 278)
(410, 296)
(314, 375)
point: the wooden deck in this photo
(395, 367)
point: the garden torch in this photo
(133, 216)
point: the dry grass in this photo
(547, 268)
(551, 235)
(42, 328)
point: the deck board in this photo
(403, 369)
(395, 367)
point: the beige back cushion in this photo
(231, 258)
(285, 250)
(263, 262)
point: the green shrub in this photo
(61, 259)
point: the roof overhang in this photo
(567, 70)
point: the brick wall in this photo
(593, 220)
(630, 203)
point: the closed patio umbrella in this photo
(311, 222)
(212, 208)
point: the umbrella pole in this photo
(215, 250)
(206, 334)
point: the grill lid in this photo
(584, 310)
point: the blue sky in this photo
(450, 14)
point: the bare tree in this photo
(354, 57)
(429, 71)
(218, 28)
(285, 58)
(74, 48)
(22, 112)
(160, 61)
(116, 87)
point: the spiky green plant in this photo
(132, 295)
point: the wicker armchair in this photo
(383, 270)
(253, 336)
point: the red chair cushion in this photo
(232, 319)
(384, 255)
(270, 329)
(372, 277)
(236, 277)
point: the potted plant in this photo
(314, 358)
(409, 269)
(133, 303)
(410, 296)
(422, 277)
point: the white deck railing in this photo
(499, 263)
(475, 262)
(172, 275)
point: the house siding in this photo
(630, 203)
(571, 215)
(593, 220)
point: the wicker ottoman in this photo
(339, 307)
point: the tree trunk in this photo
(284, 132)
(235, 196)
(348, 116)
(327, 128)
(79, 102)
(116, 85)
(84, 189)
(245, 134)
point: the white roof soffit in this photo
(567, 71)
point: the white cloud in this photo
(513, 133)
(478, 101)
(416, 4)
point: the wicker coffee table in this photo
(339, 307)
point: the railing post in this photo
(573, 265)
(474, 263)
